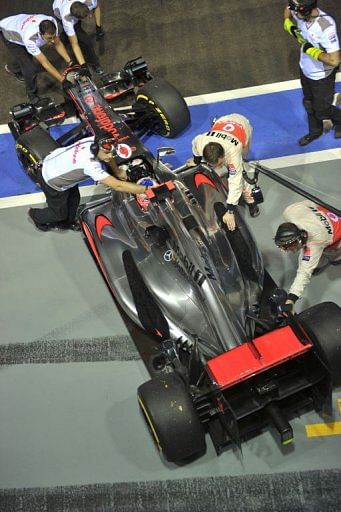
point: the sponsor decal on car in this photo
(124, 151)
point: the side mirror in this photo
(163, 151)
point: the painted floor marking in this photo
(323, 429)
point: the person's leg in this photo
(73, 203)
(87, 46)
(57, 206)
(323, 102)
(29, 68)
(12, 65)
(309, 102)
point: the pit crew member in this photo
(24, 35)
(316, 233)
(320, 56)
(224, 147)
(63, 169)
(71, 15)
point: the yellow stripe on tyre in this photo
(150, 423)
(158, 110)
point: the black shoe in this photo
(307, 139)
(18, 76)
(33, 99)
(98, 70)
(41, 227)
(253, 209)
(337, 131)
(73, 226)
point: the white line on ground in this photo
(273, 163)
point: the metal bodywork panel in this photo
(201, 284)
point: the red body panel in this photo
(256, 356)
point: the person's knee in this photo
(308, 105)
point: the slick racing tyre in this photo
(32, 147)
(169, 114)
(172, 418)
(322, 323)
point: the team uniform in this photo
(234, 133)
(63, 169)
(21, 35)
(324, 239)
(73, 27)
(318, 78)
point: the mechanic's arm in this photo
(197, 157)
(97, 14)
(332, 59)
(44, 61)
(235, 183)
(290, 26)
(307, 262)
(61, 50)
(76, 49)
(123, 186)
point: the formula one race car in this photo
(227, 358)
(128, 101)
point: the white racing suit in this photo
(233, 132)
(324, 238)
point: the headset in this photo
(288, 234)
(103, 144)
(302, 7)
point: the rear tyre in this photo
(323, 326)
(172, 418)
(32, 147)
(169, 112)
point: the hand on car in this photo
(84, 70)
(99, 33)
(230, 221)
(67, 85)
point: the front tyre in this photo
(169, 114)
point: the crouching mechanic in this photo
(316, 233)
(24, 35)
(63, 169)
(223, 147)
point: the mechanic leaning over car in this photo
(24, 34)
(316, 233)
(223, 148)
(71, 15)
(64, 168)
(320, 56)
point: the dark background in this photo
(200, 46)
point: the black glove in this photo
(99, 33)
(84, 70)
(67, 85)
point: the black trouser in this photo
(61, 206)
(22, 62)
(318, 101)
(85, 43)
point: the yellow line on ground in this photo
(323, 429)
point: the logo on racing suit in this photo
(124, 151)
(232, 169)
(306, 254)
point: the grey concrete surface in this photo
(78, 422)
